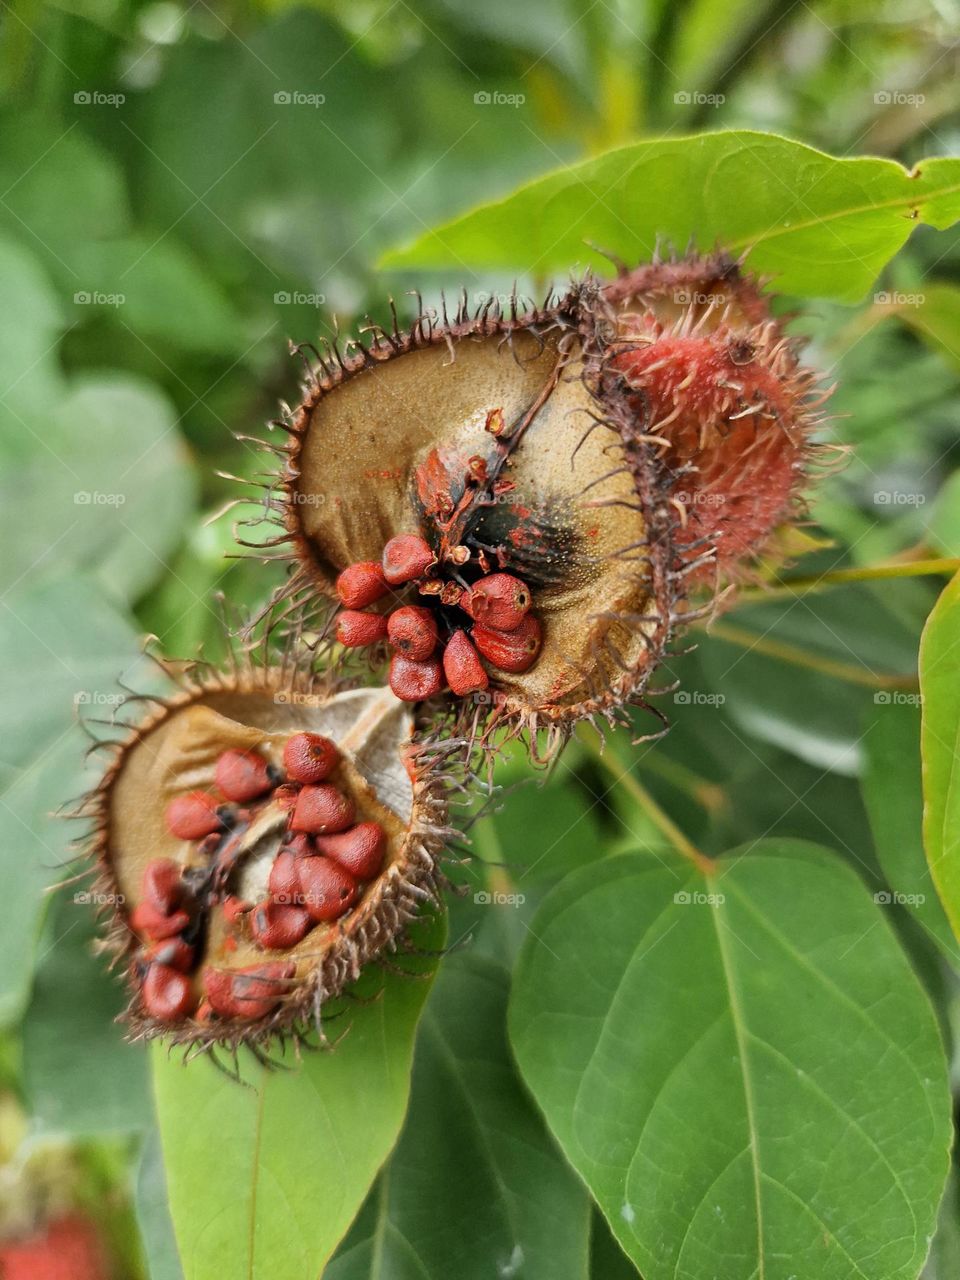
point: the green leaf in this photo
(81, 1075)
(894, 800)
(943, 527)
(475, 1187)
(153, 1212)
(933, 312)
(28, 337)
(823, 226)
(940, 747)
(750, 1083)
(108, 491)
(62, 647)
(264, 1180)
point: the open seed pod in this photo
(518, 506)
(264, 836)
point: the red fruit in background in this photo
(356, 629)
(248, 993)
(163, 884)
(279, 925)
(243, 775)
(513, 651)
(359, 850)
(167, 993)
(309, 757)
(322, 809)
(175, 953)
(462, 666)
(413, 681)
(148, 922)
(284, 882)
(412, 630)
(361, 584)
(405, 557)
(328, 889)
(192, 816)
(68, 1249)
(499, 600)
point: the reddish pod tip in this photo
(513, 651)
(328, 889)
(172, 952)
(151, 923)
(246, 994)
(278, 926)
(322, 809)
(243, 775)
(192, 816)
(412, 630)
(414, 681)
(167, 994)
(360, 850)
(356, 629)
(405, 557)
(361, 584)
(163, 884)
(462, 666)
(309, 757)
(499, 600)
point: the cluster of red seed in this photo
(324, 859)
(429, 652)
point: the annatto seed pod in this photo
(242, 933)
(592, 470)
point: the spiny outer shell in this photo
(175, 749)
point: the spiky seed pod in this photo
(608, 452)
(242, 934)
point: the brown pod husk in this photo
(394, 776)
(550, 444)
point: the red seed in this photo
(279, 925)
(406, 557)
(300, 845)
(514, 651)
(192, 816)
(412, 630)
(499, 600)
(413, 681)
(285, 796)
(359, 850)
(361, 584)
(243, 775)
(247, 993)
(355, 629)
(309, 757)
(173, 952)
(322, 809)
(167, 995)
(328, 889)
(462, 666)
(234, 909)
(150, 923)
(284, 882)
(163, 884)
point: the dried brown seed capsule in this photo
(193, 816)
(243, 775)
(356, 630)
(309, 757)
(361, 584)
(359, 850)
(322, 809)
(513, 651)
(462, 666)
(327, 888)
(405, 557)
(414, 681)
(278, 926)
(412, 630)
(163, 884)
(499, 600)
(216, 940)
(167, 994)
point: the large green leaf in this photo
(264, 1180)
(62, 647)
(475, 1187)
(894, 799)
(940, 747)
(751, 1083)
(824, 227)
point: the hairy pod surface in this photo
(584, 474)
(241, 933)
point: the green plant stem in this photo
(710, 796)
(798, 657)
(837, 577)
